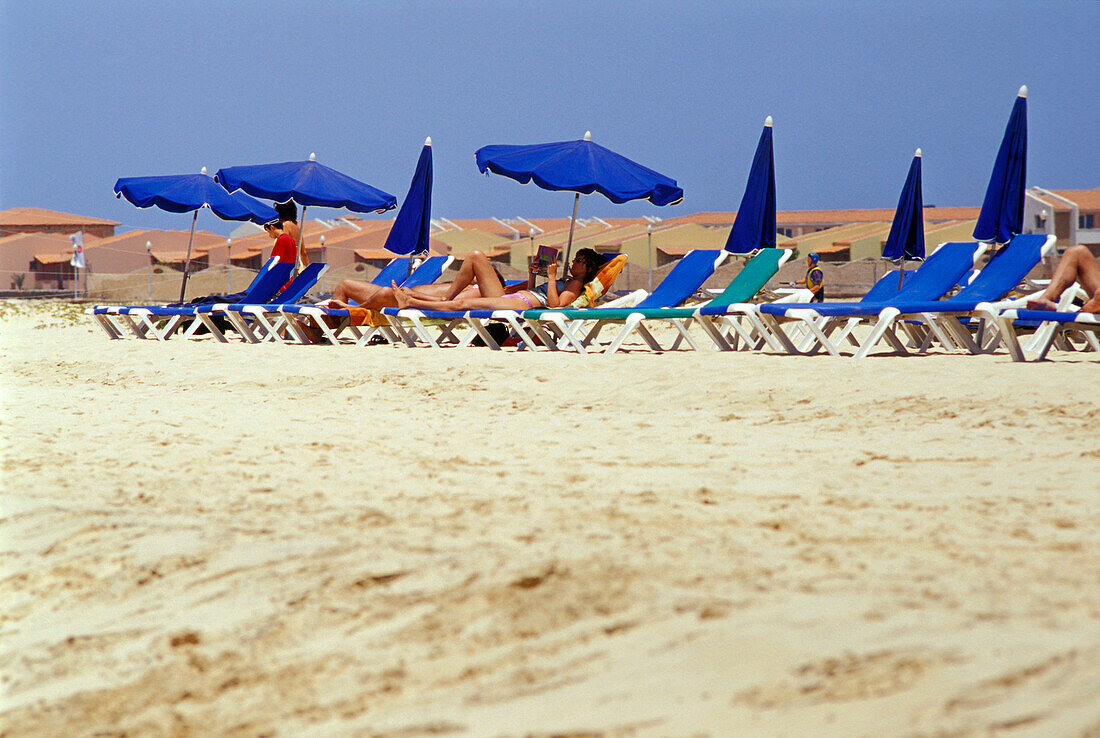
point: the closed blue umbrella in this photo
(1002, 213)
(906, 239)
(306, 183)
(185, 193)
(409, 234)
(754, 225)
(581, 167)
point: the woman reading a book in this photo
(491, 293)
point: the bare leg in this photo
(1076, 265)
(500, 302)
(351, 289)
(476, 269)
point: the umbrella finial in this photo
(312, 156)
(918, 153)
(428, 141)
(588, 135)
(768, 122)
(202, 171)
(1022, 92)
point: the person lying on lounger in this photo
(492, 295)
(476, 278)
(1076, 265)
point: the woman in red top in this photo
(285, 248)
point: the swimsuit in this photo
(539, 299)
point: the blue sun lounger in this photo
(951, 320)
(745, 285)
(162, 321)
(882, 290)
(939, 273)
(1051, 327)
(686, 277)
(437, 328)
(248, 318)
(428, 271)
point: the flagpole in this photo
(85, 261)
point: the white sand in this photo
(200, 538)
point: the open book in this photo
(545, 255)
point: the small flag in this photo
(78, 250)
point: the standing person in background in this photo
(284, 247)
(288, 215)
(815, 278)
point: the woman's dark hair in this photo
(287, 211)
(592, 262)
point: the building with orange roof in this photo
(795, 223)
(39, 220)
(36, 261)
(1073, 216)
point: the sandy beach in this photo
(268, 540)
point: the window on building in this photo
(1085, 221)
(788, 232)
(1039, 223)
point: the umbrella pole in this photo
(187, 261)
(572, 223)
(901, 273)
(301, 237)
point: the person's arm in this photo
(566, 297)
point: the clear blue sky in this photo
(90, 92)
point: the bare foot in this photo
(1041, 303)
(1092, 306)
(401, 298)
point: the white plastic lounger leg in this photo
(109, 327)
(706, 322)
(883, 326)
(544, 336)
(207, 319)
(632, 321)
(566, 331)
(516, 323)
(682, 327)
(240, 324)
(483, 332)
(1009, 339)
(773, 333)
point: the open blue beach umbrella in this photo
(754, 225)
(185, 193)
(581, 167)
(409, 234)
(1002, 213)
(306, 183)
(906, 239)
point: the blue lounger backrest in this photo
(1006, 269)
(886, 287)
(302, 284)
(428, 272)
(939, 272)
(687, 276)
(396, 271)
(267, 283)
